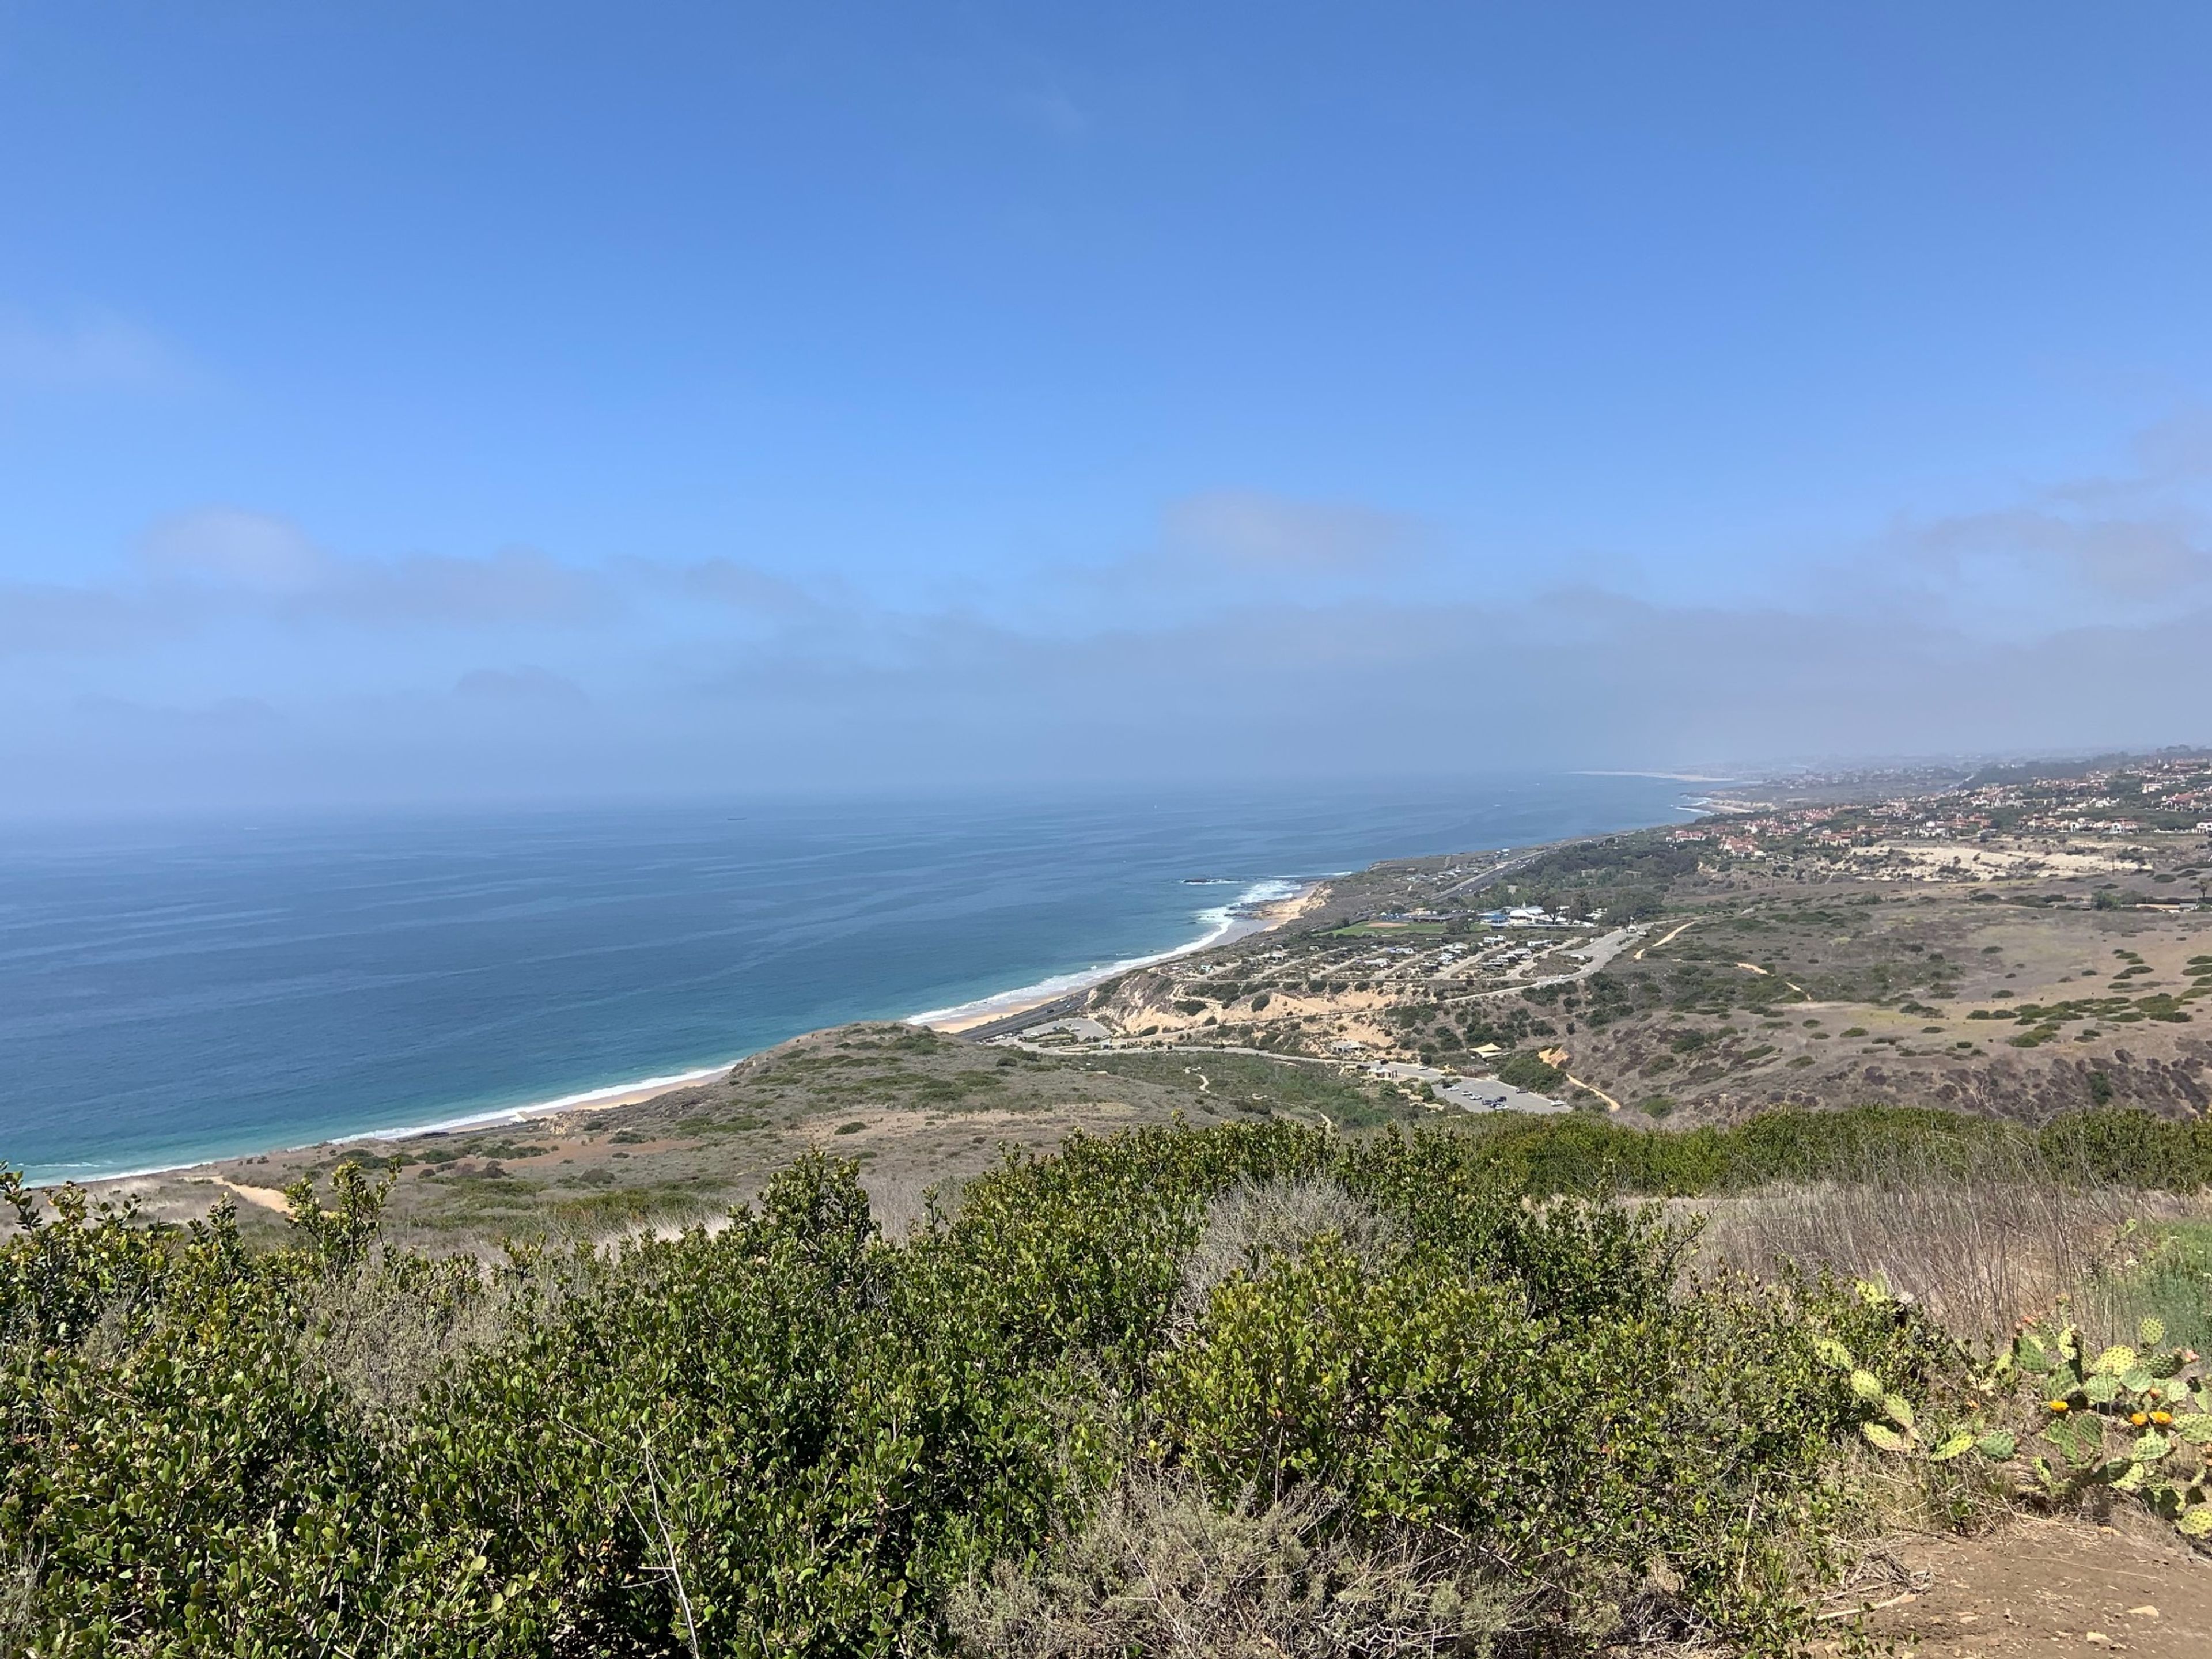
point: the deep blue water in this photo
(173, 994)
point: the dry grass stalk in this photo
(1981, 1245)
(1160, 1571)
(1247, 1226)
(1979, 1259)
(385, 1337)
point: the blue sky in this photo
(422, 403)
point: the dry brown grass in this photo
(1981, 1247)
(1250, 1224)
(900, 1198)
(387, 1333)
(1159, 1571)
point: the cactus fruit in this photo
(2142, 1392)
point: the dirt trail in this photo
(1656, 943)
(1611, 1104)
(267, 1197)
(2047, 1588)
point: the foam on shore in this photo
(588, 1100)
(1223, 924)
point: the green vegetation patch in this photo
(791, 1436)
(2165, 1274)
(1249, 1081)
(1528, 1070)
(1546, 1156)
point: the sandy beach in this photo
(1260, 910)
(1239, 922)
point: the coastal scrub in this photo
(790, 1435)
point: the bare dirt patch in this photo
(2046, 1588)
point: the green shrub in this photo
(1526, 1069)
(790, 1437)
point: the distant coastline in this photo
(204, 998)
(1260, 907)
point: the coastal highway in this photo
(1484, 877)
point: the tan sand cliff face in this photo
(1913, 861)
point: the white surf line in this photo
(613, 1094)
(587, 1100)
(1224, 925)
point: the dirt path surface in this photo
(269, 1198)
(1670, 938)
(2048, 1587)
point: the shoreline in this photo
(587, 1100)
(1259, 909)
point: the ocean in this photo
(179, 992)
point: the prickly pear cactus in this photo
(2136, 1419)
(1891, 1425)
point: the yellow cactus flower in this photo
(2161, 1418)
(2058, 1404)
(2139, 1419)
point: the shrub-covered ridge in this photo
(788, 1435)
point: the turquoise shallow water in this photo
(174, 992)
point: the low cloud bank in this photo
(236, 659)
(1583, 679)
